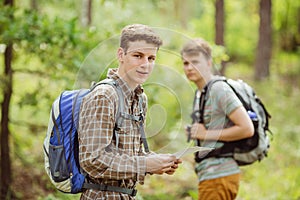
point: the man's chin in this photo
(191, 78)
(141, 80)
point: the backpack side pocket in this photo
(58, 164)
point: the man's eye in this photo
(151, 59)
(137, 56)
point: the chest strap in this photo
(102, 187)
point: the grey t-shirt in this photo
(220, 103)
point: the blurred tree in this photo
(28, 36)
(5, 176)
(219, 28)
(264, 46)
(181, 12)
(34, 5)
(86, 14)
(288, 16)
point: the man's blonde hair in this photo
(196, 46)
(138, 32)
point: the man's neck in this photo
(201, 83)
(123, 76)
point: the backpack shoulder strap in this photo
(203, 99)
(248, 107)
(203, 96)
(120, 94)
(141, 124)
(121, 107)
(121, 111)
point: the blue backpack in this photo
(61, 143)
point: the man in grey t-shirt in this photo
(225, 119)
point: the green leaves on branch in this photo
(219, 55)
(57, 42)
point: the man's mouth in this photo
(142, 72)
(190, 74)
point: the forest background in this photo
(49, 46)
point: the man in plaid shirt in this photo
(117, 169)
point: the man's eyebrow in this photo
(139, 52)
(135, 51)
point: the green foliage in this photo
(285, 13)
(242, 32)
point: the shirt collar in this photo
(112, 73)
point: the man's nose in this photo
(189, 66)
(146, 62)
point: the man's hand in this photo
(162, 163)
(197, 131)
(174, 167)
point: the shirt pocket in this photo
(129, 137)
(126, 127)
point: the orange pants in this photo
(224, 188)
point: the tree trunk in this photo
(5, 172)
(34, 5)
(5, 159)
(86, 17)
(181, 12)
(264, 47)
(219, 27)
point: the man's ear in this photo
(210, 64)
(120, 54)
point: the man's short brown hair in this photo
(137, 32)
(196, 46)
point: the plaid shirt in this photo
(98, 155)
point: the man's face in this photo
(195, 66)
(137, 63)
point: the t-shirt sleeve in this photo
(224, 98)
